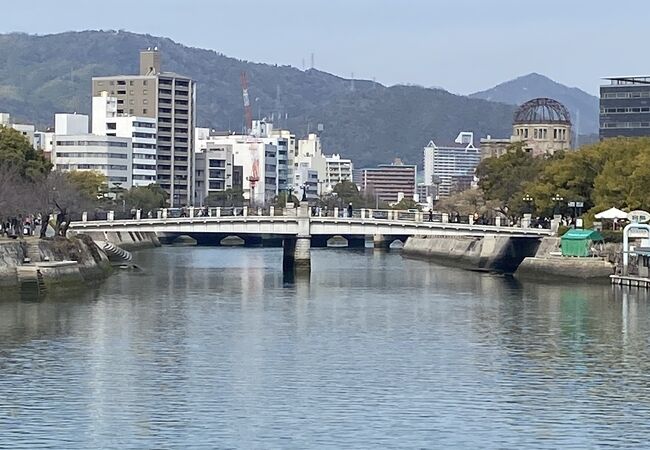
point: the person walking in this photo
(350, 209)
(430, 214)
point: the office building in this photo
(170, 99)
(108, 155)
(389, 182)
(450, 168)
(625, 107)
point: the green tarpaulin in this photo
(579, 242)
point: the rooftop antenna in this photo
(577, 145)
(303, 65)
(312, 60)
(278, 104)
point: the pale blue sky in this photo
(461, 45)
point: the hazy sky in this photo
(461, 45)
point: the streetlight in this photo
(528, 200)
(557, 199)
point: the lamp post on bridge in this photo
(558, 199)
(528, 201)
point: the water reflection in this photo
(214, 347)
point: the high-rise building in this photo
(389, 182)
(450, 168)
(171, 100)
(625, 107)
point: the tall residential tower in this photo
(171, 100)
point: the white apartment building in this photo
(308, 153)
(141, 130)
(213, 171)
(450, 168)
(257, 157)
(337, 169)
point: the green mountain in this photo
(369, 122)
(583, 107)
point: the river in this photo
(211, 348)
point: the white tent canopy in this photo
(611, 214)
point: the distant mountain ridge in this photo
(584, 107)
(364, 120)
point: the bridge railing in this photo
(341, 213)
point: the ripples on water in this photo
(210, 348)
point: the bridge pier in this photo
(380, 241)
(296, 254)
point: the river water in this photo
(211, 348)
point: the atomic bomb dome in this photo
(544, 125)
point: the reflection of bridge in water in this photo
(297, 228)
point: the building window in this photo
(144, 111)
(145, 101)
(131, 83)
(144, 82)
(145, 92)
(131, 92)
(111, 126)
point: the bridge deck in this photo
(315, 226)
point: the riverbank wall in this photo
(548, 264)
(127, 240)
(57, 262)
(489, 253)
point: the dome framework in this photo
(542, 111)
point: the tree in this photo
(406, 203)
(146, 198)
(15, 150)
(505, 179)
(89, 182)
(229, 197)
(469, 202)
(281, 200)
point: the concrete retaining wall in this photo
(89, 262)
(489, 253)
(547, 265)
(130, 241)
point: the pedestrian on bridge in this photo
(350, 210)
(430, 214)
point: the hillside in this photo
(522, 89)
(41, 75)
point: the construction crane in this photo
(254, 149)
(248, 111)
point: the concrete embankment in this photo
(489, 253)
(55, 262)
(547, 264)
(127, 240)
